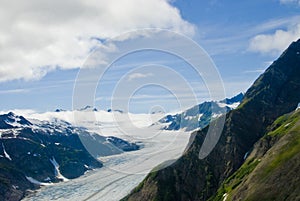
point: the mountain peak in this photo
(116, 110)
(237, 98)
(89, 108)
(11, 120)
(60, 110)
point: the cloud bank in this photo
(275, 42)
(290, 1)
(40, 36)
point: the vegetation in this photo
(285, 135)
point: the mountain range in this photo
(35, 153)
(257, 155)
(200, 115)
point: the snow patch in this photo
(232, 106)
(199, 117)
(225, 195)
(214, 116)
(57, 171)
(189, 117)
(5, 153)
(34, 181)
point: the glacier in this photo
(122, 172)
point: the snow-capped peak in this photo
(200, 115)
(88, 108)
(11, 120)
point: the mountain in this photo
(200, 115)
(9, 120)
(271, 171)
(60, 110)
(234, 100)
(276, 92)
(88, 108)
(35, 153)
(122, 144)
(117, 110)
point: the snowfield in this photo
(120, 173)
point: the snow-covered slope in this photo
(35, 152)
(200, 115)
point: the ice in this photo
(120, 173)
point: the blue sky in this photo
(43, 47)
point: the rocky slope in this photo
(35, 153)
(274, 93)
(271, 171)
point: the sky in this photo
(47, 45)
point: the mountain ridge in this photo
(199, 116)
(192, 179)
(37, 153)
(272, 165)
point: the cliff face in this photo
(274, 93)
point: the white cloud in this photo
(276, 42)
(12, 91)
(134, 76)
(39, 36)
(255, 71)
(290, 1)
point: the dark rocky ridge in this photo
(274, 93)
